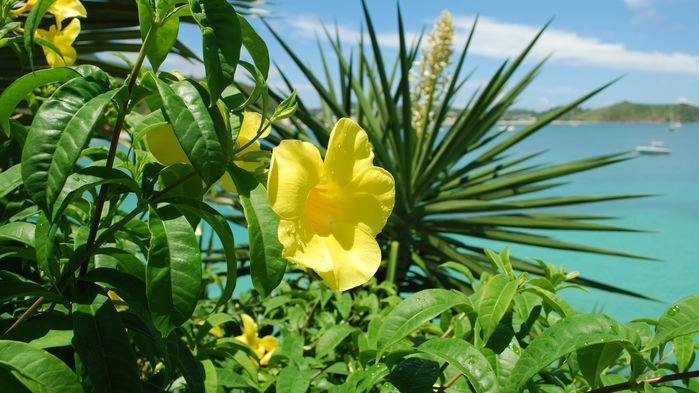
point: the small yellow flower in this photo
(330, 212)
(61, 10)
(64, 9)
(263, 347)
(163, 144)
(63, 39)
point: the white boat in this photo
(674, 125)
(508, 128)
(655, 147)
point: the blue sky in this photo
(653, 44)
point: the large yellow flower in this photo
(63, 39)
(330, 212)
(61, 9)
(163, 144)
(263, 347)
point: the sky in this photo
(653, 45)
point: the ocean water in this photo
(672, 215)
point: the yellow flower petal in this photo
(355, 257)
(294, 170)
(349, 152)
(63, 40)
(373, 199)
(164, 146)
(64, 9)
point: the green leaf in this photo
(332, 338)
(681, 319)
(191, 368)
(10, 179)
(103, 351)
(255, 45)
(174, 269)
(18, 231)
(220, 225)
(35, 369)
(494, 300)
(684, 351)
(415, 311)
(594, 359)
(195, 129)
(293, 380)
(221, 42)
(31, 24)
(158, 33)
(415, 375)
(18, 90)
(466, 358)
(567, 335)
(60, 131)
(267, 267)
(44, 330)
(210, 376)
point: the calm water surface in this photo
(673, 215)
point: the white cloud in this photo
(637, 3)
(498, 39)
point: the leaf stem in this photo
(633, 384)
(37, 303)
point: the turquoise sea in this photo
(673, 215)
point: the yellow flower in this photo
(263, 347)
(63, 40)
(330, 212)
(64, 9)
(61, 9)
(163, 144)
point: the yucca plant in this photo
(457, 181)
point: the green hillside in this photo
(622, 112)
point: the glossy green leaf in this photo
(415, 311)
(567, 335)
(415, 375)
(467, 359)
(332, 338)
(174, 269)
(220, 226)
(35, 369)
(18, 90)
(681, 319)
(255, 45)
(10, 179)
(221, 42)
(495, 299)
(194, 127)
(104, 355)
(90, 178)
(19, 231)
(60, 131)
(158, 34)
(44, 331)
(684, 351)
(267, 267)
(593, 360)
(552, 300)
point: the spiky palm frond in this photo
(456, 182)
